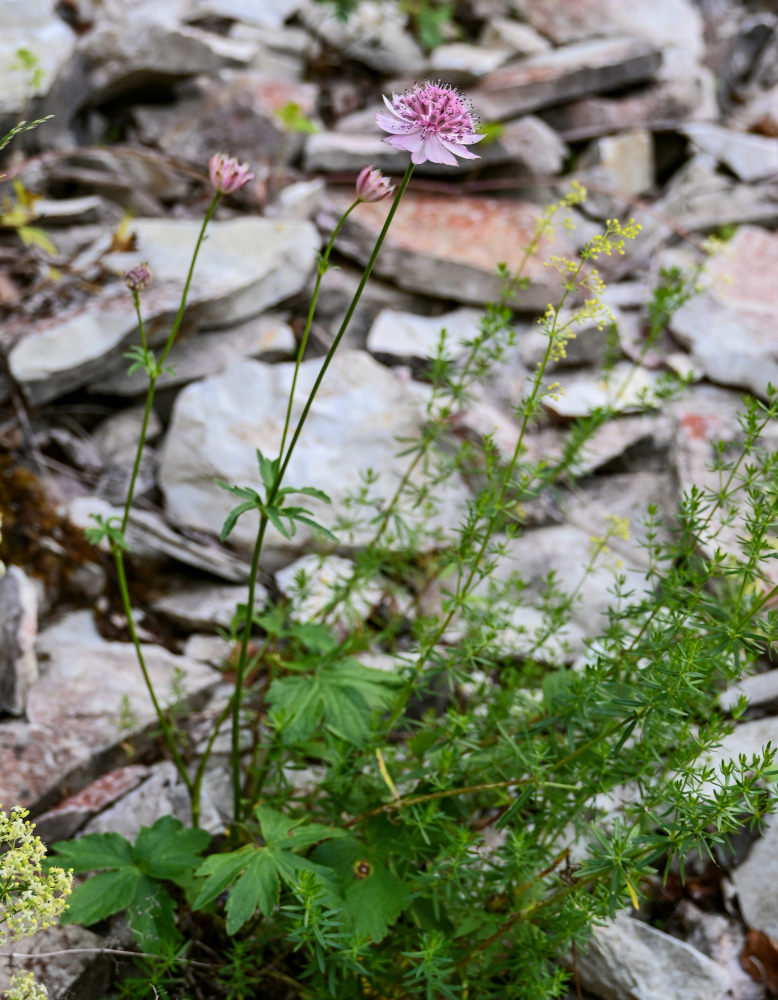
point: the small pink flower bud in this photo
(138, 277)
(227, 175)
(372, 185)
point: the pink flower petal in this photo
(459, 150)
(408, 143)
(392, 125)
(434, 150)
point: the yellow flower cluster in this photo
(30, 899)
(23, 987)
(611, 240)
(574, 196)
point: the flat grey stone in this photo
(760, 690)
(162, 793)
(564, 74)
(236, 110)
(246, 265)
(123, 54)
(18, 630)
(34, 26)
(152, 540)
(520, 39)
(749, 157)
(463, 63)
(117, 435)
(625, 389)
(730, 328)
(754, 880)
(690, 96)
(411, 337)
(376, 34)
(205, 607)
(268, 14)
(630, 960)
(204, 354)
(664, 23)
(71, 971)
(75, 729)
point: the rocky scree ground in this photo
(668, 112)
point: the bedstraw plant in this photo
(451, 827)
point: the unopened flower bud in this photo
(227, 175)
(372, 185)
(138, 277)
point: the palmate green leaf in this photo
(232, 518)
(221, 871)
(343, 695)
(274, 516)
(284, 833)
(256, 872)
(257, 888)
(102, 895)
(374, 896)
(309, 491)
(268, 470)
(95, 850)
(167, 849)
(152, 918)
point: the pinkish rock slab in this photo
(730, 328)
(68, 816)
(449, 247)
(90, 699)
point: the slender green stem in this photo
(185, 294)
(346, 320)
(139, 451)
(321, 270)
(240, 672)
(163, 722)
(284, 462)
(154, 372)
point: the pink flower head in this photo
(227, 175)
(372, 185)
(138, 277)
(432, 122)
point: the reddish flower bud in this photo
(372, 185)
(138, 277)
(227, 175)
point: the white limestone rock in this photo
(246, 266)
(360, 412)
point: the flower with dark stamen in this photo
(227, 175)
(431, 122)
(138, 277)
(372, 185)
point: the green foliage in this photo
(432, 21)
(447, 827)
(270, 507)
(292, 118)
(134, 878)
(255, 872)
